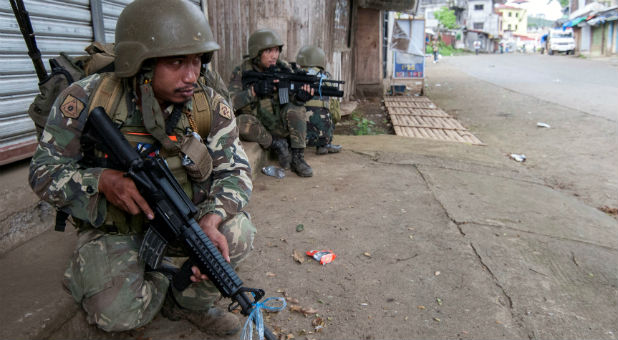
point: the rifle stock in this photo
(173, 221)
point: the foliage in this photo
(444, 49)
(564, 3)
(364, 126)
(446, 17)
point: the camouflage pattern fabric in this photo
(240, 233)
(56, 176)
(251, 130)
(288, 120)
(213, 79)
(105, 275)
(319, 126)
(109, 281)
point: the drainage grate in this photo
(420, 118)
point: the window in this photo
(516, 27)
(509, 27)
(478, 25)
(517, 15)
(510, 14)
(478, 7)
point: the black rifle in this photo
(173, 217)
(25, 26)
(290, 82)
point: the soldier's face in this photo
(269, 57)
(175, 78)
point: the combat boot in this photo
(280, 146)
(299, 166)
(215, 321)
(321, 150)
(333, 148)
(328, 148)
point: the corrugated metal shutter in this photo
(60, 26)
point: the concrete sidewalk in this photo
(508, 256)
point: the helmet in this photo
(160, 28)
(263, 39)
(311, 56)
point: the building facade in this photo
(482, 24)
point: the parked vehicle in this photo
(560, 40)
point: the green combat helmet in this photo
(160, 28)
(311, 56)
(262, 39)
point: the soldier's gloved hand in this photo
(263, 88)
(303, 95)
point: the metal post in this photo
(96, 12)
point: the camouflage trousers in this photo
(320, 126)
(290, 121)
(109, 281)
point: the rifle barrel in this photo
(25, 26)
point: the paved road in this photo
(586, 85)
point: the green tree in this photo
(446, 17)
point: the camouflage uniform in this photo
(320, 125)
(261, 119)
(105, 275)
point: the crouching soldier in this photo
(261, 117)
(322, 112)
(156, 98)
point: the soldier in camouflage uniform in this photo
(320, 122)
(157, 70)
(261, 118)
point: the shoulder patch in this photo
(71, 107)
(225, 111)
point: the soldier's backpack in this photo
(64, 71)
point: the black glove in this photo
(303, 96)
(263, 88)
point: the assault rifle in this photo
(25, 26)
(173, 217)
(288, 82)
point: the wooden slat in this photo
(418, 117)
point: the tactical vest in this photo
(111, 95)
(266, 108)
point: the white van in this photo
(559, 40)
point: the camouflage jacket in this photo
(242, 99)
(331, 104)
(58, 176)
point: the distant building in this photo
(427, 8)
(514, 19)
(595, 24)
(482, 24)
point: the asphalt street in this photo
(586, 85)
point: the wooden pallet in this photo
(418, 117)
(411, 104)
